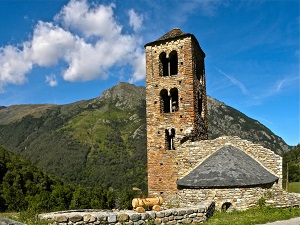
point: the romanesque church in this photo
(183, 166)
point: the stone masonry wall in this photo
(162, 166)
(197, 214)
(191, 154)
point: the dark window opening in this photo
(173, 63)
(199, 102)
(170, 135)
(174, 99)
(163, 64)
(226, 206)
(164, 101)
(198, 70)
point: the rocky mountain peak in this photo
(124, 95)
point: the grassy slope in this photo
(294, 187)
(253, 216)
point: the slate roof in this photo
(227, 167)
(176, 32)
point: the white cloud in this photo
(14, 64)
(49, 44)
(51, 80)
(135, 20)
(87, 55)
(139, 64)
(98, 20)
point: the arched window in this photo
(164, 101)
(173, 58)
(174, 99)
(163, 64)
(199, 102)
(170, 135)
(226, 206)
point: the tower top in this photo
(173, 34)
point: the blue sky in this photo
(59, 51)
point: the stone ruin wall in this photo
(162, 166)
(191, 154)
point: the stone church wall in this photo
(191, 154)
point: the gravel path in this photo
(293, 221)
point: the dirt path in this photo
(293, 221)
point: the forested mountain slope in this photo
(103, 140)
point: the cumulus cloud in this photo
(95, 20)
(49, 44)
(87, 38)
(51, 80)
(14, 64)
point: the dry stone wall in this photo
(197, 214)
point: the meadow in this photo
(294, 187)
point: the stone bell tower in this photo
(176, 105)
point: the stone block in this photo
(89, 218)
(145, 216)
(112, 218)
(122, 217)
(157, 221)
(135, 217)
(75, 218)
(160, 214)
(61, 219)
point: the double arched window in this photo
(169, 100)
(168, 66)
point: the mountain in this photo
(225, 120)
(102, 141)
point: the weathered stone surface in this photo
(160, 214)
(102, 217)
(157, 221)
(152, 214)
(112, 218)
(129, 217)
(145, 216)
(123, 217)
(135, 217)
(75, 218)
(61, 219)
(89, 218)
(175, 99)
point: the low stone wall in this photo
(198, 213)
(239, 198)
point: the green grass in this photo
(253, 216)
(294, 187)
